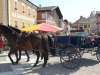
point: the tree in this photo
(70, 23)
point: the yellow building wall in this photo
(19, 11)
(56, 18)
(1, 11)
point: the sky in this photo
(72, 9)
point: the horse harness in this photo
(11, 37)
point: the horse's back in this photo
(29, 41)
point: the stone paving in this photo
(89, 66)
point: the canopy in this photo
(41, 27)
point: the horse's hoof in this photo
(14, 63)
(41, 58)
(27, 60)
(34, 65)
(43, 66)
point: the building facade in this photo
(50, 15)
(82, 22)
(18, 13)
(95, 20)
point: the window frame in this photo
(29, 11)
(16, 5)
(29, 24)
(23, 8)
(43, 16)
(16, 23)
(23, 24)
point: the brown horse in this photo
(18, 32)
(23, 42)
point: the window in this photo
(15, 4)
(16, 23)
(23, 25)
(43, 16)
(33, 13)
(28, 24)
(29, 11)
(85, 26)
(23, 8)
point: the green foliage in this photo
(70, 23)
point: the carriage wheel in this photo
(98, 53)
(81, 51)
(70, 58)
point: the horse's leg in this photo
(38, 55)
(19, 57)
(28, 58)
(16, 54)
(33, 51)
(45, 55)
(9, 55)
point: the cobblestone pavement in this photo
(89, 66)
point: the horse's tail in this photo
(43, 47)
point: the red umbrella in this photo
(41, 27)
(46, 27)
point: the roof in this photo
(32, 3)
(50, 8)
(82, 20)
(47, 8)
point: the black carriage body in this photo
(72, 55)
(76, 41)
(69, 40)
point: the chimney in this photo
(80, 17)
(39, 5)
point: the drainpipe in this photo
(8, 10)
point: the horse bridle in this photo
(10, 36)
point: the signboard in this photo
(22, 17)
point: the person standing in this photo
(89, 32)
(1, 44)
(66, 29)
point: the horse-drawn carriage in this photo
(71, 49)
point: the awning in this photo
(57, 27)
(41, 27)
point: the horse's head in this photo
(1, 29)
(5, 30)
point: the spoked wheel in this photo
(81, 51)
(98, 53)
(70, 58)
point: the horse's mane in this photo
(6, 29)
(15, 29)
